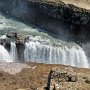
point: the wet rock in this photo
(59, 9)
(15, 37)
(18, 37)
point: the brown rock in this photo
(87, 80)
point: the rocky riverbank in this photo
(33, 76)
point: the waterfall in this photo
(4, 55)
(37, 52)
(13, 51)
(42, 47)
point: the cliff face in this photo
(66, 10)
(31, 76)
(62, 17)
(65, 18)
(61, 10)
(16, 8)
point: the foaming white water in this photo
(13, 51)
(3, 37)
(41, 49)
(37, 52)
(4, 55)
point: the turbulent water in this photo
(41, 47)
(36, 52)
(4, 55)
(13, 51)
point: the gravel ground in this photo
(13, 68)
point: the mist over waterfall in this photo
(13, 51)
(36, 52)
(42, 46)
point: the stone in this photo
(87, 80)
(72, 78)
(18, 37)
(66, 10)
(63, 75)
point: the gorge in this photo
(62, 39)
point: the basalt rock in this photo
(61, 10)
(62, 17)
(75, 11)
(17, 37)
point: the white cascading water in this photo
(13, 51)
(4, 55)
(37, 52)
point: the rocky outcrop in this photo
(35, 77)
(67, 78)
(58, 9)
(69, 11)
(17, 37)
(70, 20)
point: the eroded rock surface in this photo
(17, 37)
(68, 78)
(73, 11)
(64, 9)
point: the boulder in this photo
(17, 37)
(64, 75)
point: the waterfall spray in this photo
(36, 52)
(13, 51)
(4, 55)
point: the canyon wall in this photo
(59, 10)
(65, 19)
(55, 9)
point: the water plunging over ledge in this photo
(41, 47)
(4, 55)
(13, 51)
(39, 50)
(36, 52)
